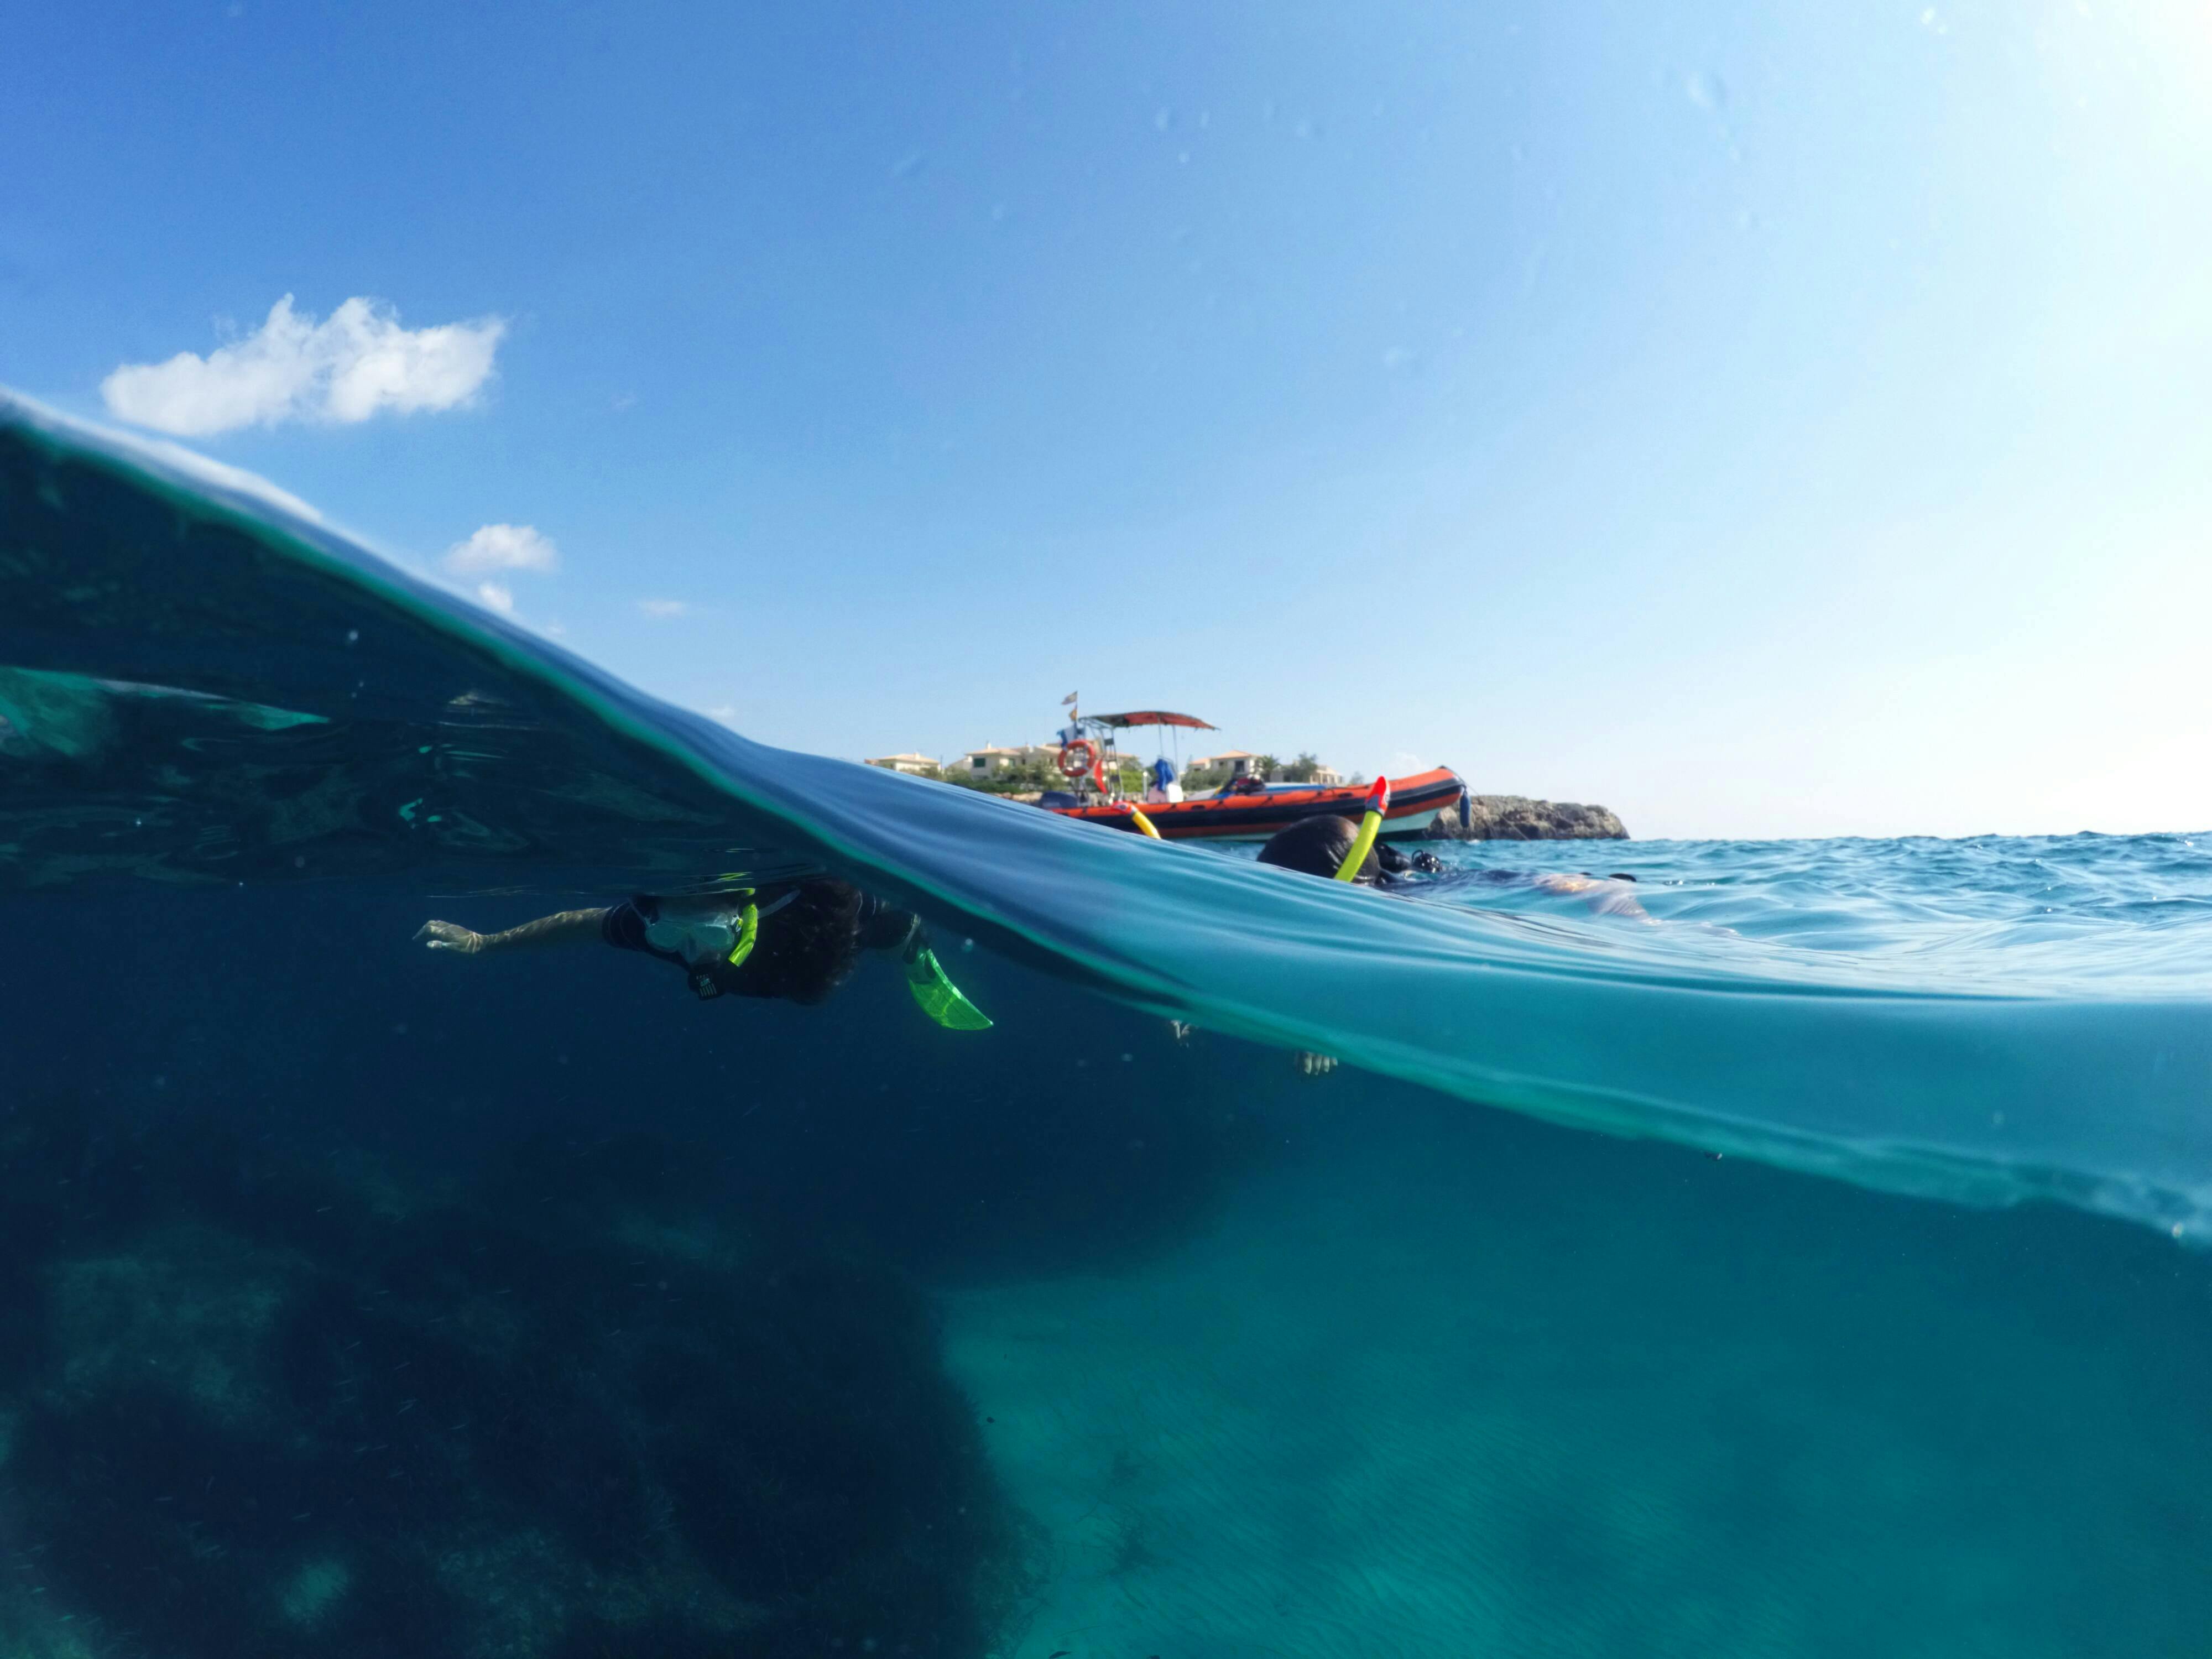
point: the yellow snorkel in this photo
(747, 934)
(1378, 802)
(1143, 824)
(744, 924)
(935, 993)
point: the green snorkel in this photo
(936, 995)
(748, 932)
(1378, 802)
(746, 922)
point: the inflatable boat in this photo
(1248, 810)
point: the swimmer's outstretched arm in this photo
(569, 927)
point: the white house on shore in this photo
(1238, 762)
(918, 764)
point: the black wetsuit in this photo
(812, 934)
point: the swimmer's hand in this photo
(569, 927)
(1312, 1064)
(450, 936)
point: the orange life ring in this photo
(1078, 758)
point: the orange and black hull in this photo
(1415, 803)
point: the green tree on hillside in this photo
(1020, 778)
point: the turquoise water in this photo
(1873, 1320)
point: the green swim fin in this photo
(940, 998)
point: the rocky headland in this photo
(1517, 818)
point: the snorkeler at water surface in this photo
(1321, 847)
(797, 941)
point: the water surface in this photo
(766, 1329)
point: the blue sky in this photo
(1762, 419)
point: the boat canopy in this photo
(1152, 717)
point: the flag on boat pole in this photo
(1069, 700)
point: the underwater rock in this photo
(250, 1406)
(1517, 818)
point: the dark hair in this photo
(810, 947)
(1316, 846)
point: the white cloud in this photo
(357, 363)
(662, 609)
(492, 552)
(504, 547)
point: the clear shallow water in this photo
(2083, 914)
(1484, 1388)
(1247, 1363)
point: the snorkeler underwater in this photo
(516, 1143)
(717, 940)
